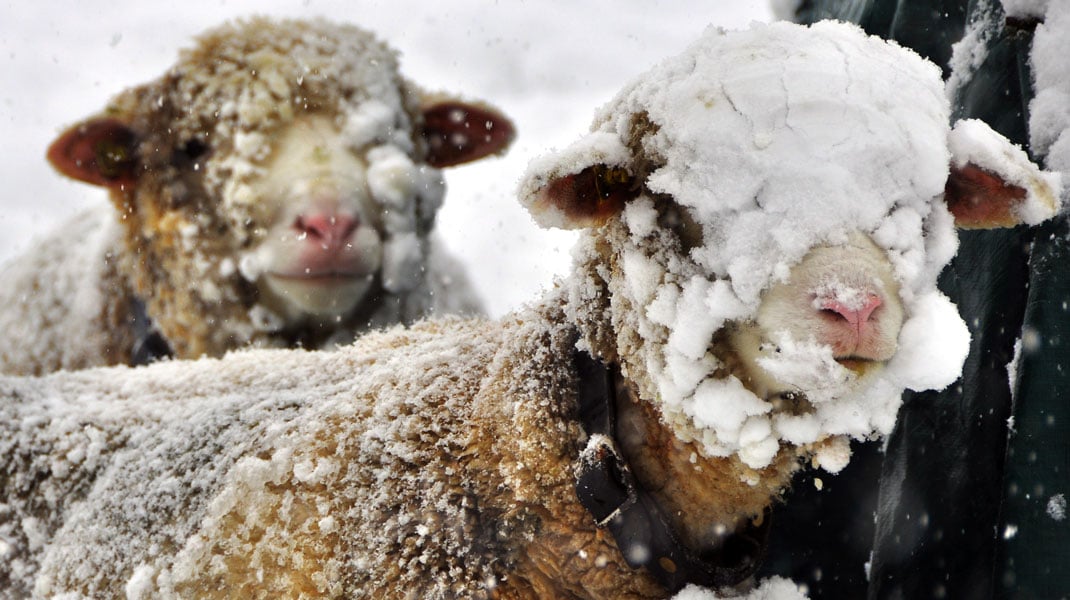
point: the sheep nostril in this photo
(326, 227)
(854, 313)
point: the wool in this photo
(440, 460)
(182, 170)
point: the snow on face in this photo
(798, 135)
(775, 141)
(335, 216)
(243, 80)
(304, 119)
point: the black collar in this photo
(149, 344)
(608, 490)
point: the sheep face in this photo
(765, 279)
(323, 244)
(279, 184)
(844, 299)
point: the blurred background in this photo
(547, 64)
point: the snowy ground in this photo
(548, 64)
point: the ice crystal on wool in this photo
(775, 140)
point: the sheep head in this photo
(766, 217)
(282, 173)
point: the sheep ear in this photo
(100, 151)
(992, 182)
(458, 132)
(982, 200)
(585, 199)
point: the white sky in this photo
(548, 64)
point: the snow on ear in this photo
(458, 132)
(993, 183)
(583, 185)
(100, 151)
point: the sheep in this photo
(621, 437)
(276, 187)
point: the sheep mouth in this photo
(326, 278)
(793, 403)
(857, 364)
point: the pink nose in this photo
(326, 228)
(855, 314)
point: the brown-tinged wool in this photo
(431, 462)
(184, 222)
(229, 92)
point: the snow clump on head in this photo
(773, 140)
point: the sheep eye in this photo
(194, 149)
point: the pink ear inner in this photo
(980, 199)
(100, 152)
(590, 197)
(457, 132)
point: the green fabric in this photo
(969, 508)
(928, 27)
(1034, 557)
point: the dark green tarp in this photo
(974, 480)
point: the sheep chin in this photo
(326, 296)
(795, 400)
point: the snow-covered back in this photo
(777, 139)
(144, 467)
(55, 296)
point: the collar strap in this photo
(608, 490)
(149, 344)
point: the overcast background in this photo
(547, 64)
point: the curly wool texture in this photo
(430, 462)
(187, 219)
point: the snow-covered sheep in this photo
(276, 187)
(765, 222)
